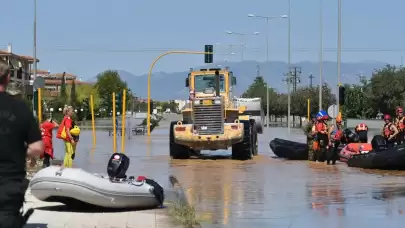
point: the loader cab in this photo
(204, 81)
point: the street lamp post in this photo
(267, 18)
(320, 52)
(35, 50)
(289, 66)
(339, 51)
(242, 46)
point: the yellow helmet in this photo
(75, 131)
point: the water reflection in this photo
(263, 192)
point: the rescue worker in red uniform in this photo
(400, 124)
(389, 131)
(322, 137)
(362, 131)
(46, 130)
(332, 154)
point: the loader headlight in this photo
(197, 102)
(217, 101)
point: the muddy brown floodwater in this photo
(265, 191)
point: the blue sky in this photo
(78, 36)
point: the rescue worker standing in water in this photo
(322, 136)
(362, 131)
(308, 130)
(389, 131)
(400, 124)
(332, 153)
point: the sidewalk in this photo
(54, 215)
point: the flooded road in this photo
(265, 191)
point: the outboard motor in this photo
(378, 143)
(350, 136)
(117, 166)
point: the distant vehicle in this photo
(168, 110)
(253, 109)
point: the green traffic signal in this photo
(209, 58)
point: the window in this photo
(207, 81)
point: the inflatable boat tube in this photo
(72, 185)
(391, 159)
(353, 149)
(289, 149)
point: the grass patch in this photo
(183, 214)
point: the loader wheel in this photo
(244, 149)
(255, 141)
(177, 151)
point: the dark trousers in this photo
(11, 200)
(401, 138)
(47, 160)
(333, 153)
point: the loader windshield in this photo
(207, 82)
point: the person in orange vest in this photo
(389, 131)
(400, 124)
(362, 131)
(322, 136)
(337, 132)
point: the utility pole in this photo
(35, 51)
(295, 73)
(311, 78)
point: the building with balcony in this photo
(53, 81)
(21, 67)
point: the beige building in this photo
(21, 67)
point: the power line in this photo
(248, 49)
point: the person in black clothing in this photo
(19, 136)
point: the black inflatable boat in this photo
(289, 149)
(380, 157)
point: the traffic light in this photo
(36, 100)
(118, 102)
(208, 58)
(151, 107)
(341, 95)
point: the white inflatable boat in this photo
(72, 185)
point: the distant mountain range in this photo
(166, 86)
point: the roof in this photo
(68, 82)
(20, 57)
(40, 71)
(60, 75)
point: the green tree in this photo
(387, 89)
(108, 82)
(63, 93)
(258, 89)
(299, 99)
(73, 97)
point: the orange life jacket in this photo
(387, 130)
(320, 126)
(399, 122)
(361, 127)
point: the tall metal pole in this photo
(267, 60)
(320, 52)
(35, 48)
(339, 51)
(289, 65)
(267, 39)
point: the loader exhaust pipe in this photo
(217, 84)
